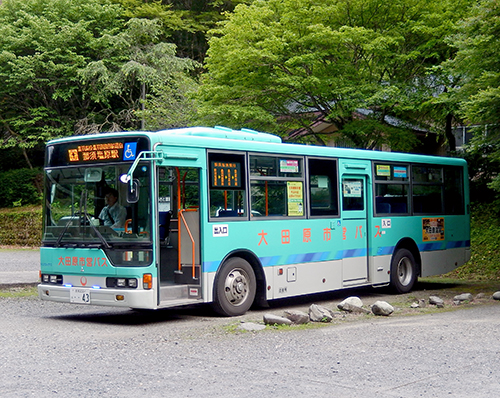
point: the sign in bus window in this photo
(295, 198)
(391, 172)
(352, 193)
(289, 166)
(383, 170)
(352, 189)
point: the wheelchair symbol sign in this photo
(129, 151)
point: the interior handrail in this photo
(193, 244)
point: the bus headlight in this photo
(132, 283)
(53, 279)
(121, 283)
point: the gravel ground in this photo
(51, 349)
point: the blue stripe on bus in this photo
(425, 247)
(270, 261)
(212, 266)
(383, 251)
(431, 246)
(457, 244)
(354, 253)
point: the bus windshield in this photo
(87, 206)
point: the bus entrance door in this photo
(354, 230)
(179, 234)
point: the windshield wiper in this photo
(89, 221)
(98, 234)
(59, 238)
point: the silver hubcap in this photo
(404, 271)
(236, 286)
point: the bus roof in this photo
(228, 139)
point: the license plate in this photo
(79, 296)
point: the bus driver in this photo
(113, 215)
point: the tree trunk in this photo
(449, 133)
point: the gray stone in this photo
(437, 301)
(354, 309)
(418, 304)
(297, 317)
(350, 302)
(318, 313)
(463, 297)
(271, 319)
(251, 327)
(496, 295)
(480, 296)
(382, 308)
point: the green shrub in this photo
(21, 227)
(485, 251)
(20, 187)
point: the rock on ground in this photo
(350, 302)
(496, 295)
(463, 297)
(382, 308)
(271, 319)
(318, 313)
(437, 301)
(297, 317)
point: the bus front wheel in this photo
(235, 287)
(403, 271)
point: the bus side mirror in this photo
(133, 192)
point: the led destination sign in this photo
(96, 151)
(226, 175)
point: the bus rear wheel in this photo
(403, 271)
(235, 287)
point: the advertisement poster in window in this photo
(432, 229)
(295, 198)
(352, 189)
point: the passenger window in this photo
(454, 190)
(352, 194)
(392, 186)
(276, 186)
(323, 193)
(427, 189)
(227, 185)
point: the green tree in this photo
(477, 64)
(278, 65)
(185, 22)
(476, 70)
(79, 67)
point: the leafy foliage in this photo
(21, 226)
(80, 67)
(279, 65)
(19, 187)
(485, 253)
(184, 22)
(477, 63)
(476, 68)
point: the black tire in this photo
(403, 271)
(235, 287)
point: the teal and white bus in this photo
(234, 218)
